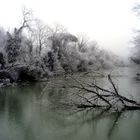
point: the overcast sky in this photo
(109, 22)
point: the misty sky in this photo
(109, 22)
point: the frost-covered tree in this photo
(15, 40)
(39, 36)
(13, 45)
(2, 38)
(59, 46)
(2, 45)
(35, 50)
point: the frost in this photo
(43, 51)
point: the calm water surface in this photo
(26, 116)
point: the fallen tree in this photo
(94, 96)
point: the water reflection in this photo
(25, 116)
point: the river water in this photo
(34, 112)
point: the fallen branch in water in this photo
(96, 97)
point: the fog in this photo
(111, 23)
(69, 68)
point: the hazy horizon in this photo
(110, 23)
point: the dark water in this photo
(26, 115)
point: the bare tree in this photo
(82, 43)
(27, 18)
(60, 40)
(15, 39)
(95, 96)
(40, 35)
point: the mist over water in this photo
(24, 115)
(69, 70)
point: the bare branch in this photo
(111, 98)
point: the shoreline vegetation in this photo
(36, 51)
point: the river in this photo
(27, 114)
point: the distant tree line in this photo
(135, 56)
